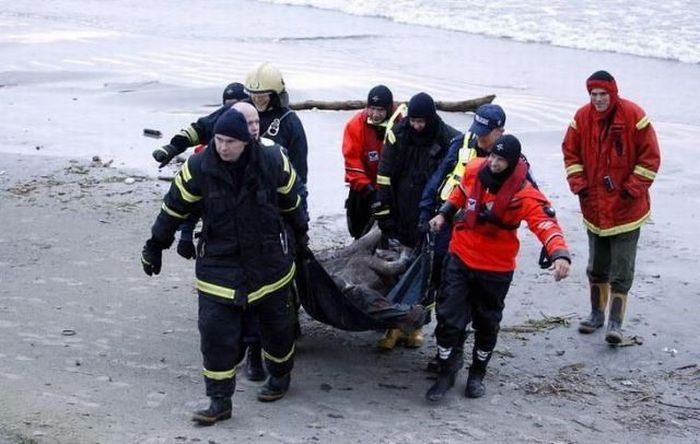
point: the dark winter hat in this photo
(381, 96)
(508, 147)
(602, 79)
(234, 91)
(487, 118)
(421, 106)
(232, 124)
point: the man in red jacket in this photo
(492, 199)
(362, 145)
(611, 156)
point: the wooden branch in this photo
(347, 105)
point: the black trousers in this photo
(470, 295)
(222, 330)
(358, 212)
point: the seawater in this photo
(648, 28)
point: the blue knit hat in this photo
(232, 124)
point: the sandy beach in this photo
(92, 350)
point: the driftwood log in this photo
(347, 105)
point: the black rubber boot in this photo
(254, 370)
(444, 382)
(618, 303)
(475, 384)
(446, 375)
(475, 381)
(599, 302)
(433, 366)
(274, 388)
(218, 410)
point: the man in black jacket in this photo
(248, 195)
(413, 150)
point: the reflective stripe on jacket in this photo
(245, 251)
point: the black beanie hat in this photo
(381, 96)
(234, 91)
(421, 106)
(232, 124)
(508, 147)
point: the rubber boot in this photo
(415, 339)
(446, 375)
(218, 410)
(254, 370)
(475, 381)
(618, 303)
(391, 337)
(274, 388)
(433, 366)
(599, 302)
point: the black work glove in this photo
(583, 194)
(165, 154)
(152, 257)
(178, 145)
(185, 248)
(625, 194)
(382, 215)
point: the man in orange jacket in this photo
(611, 156)
(362, 146)
(492, 199)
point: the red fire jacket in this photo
(611, 163)
(491, 247)
(362, 147)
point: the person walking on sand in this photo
(493, 197)
(413, 149)
(250, 201)
(254, 369)
(611, 156)
(487, 125)
(363, 139)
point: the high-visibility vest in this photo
(400, 113)
(452, 179)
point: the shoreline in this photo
(72, 235)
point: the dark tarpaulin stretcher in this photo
(355, 310)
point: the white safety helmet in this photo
(265, 78)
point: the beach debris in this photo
(23, 188)
(546, 323)
(97, 162)
(68, 332)
(670, 351)
(129, 181)
(152, 133)
(628, 341)
(348, 105)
